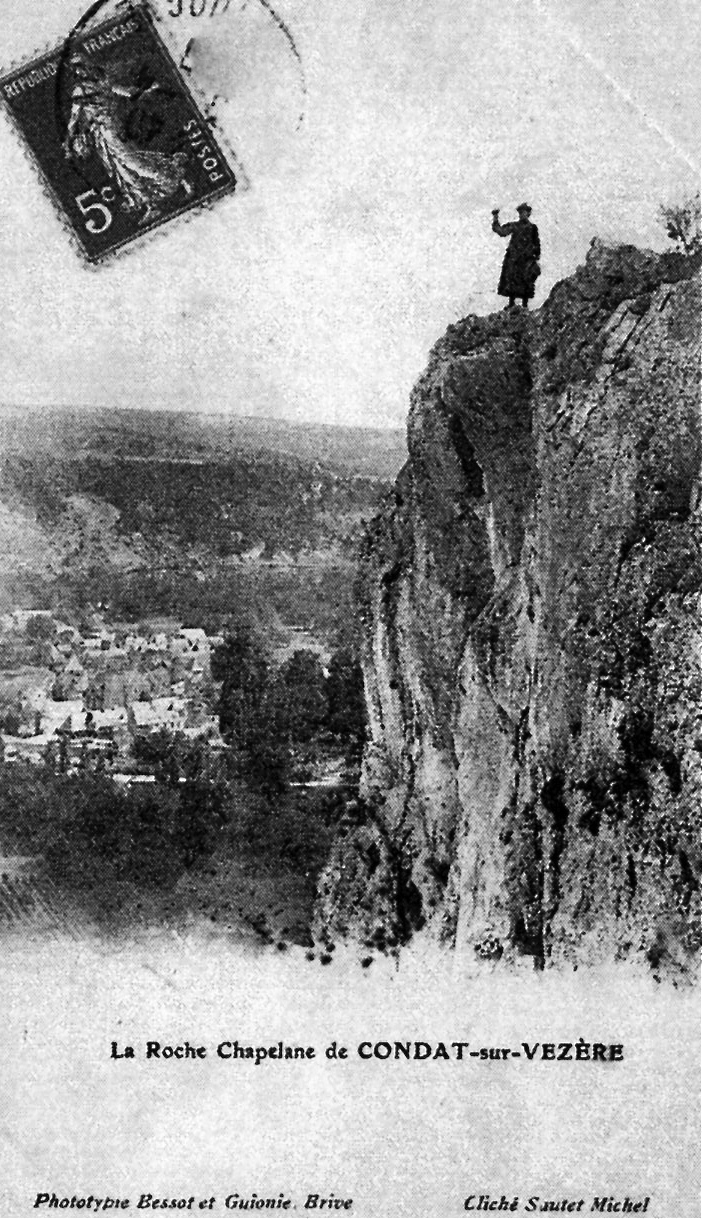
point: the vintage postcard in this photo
(350, 575)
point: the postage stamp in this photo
(117, 134)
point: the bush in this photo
(88, 829)
(683, 226)
(346, 708)
(295, 833)
(126, 836)
(304, 696)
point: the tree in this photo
(305, 696)
(345, 699)
(128, 834)
(62, 753)
(268, 740)
(162, 750)
(11, 722)
(682, 224)
(39, 629)
(241, 665)
(251, 708)
(203, 802)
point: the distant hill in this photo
(184, 513)
(191, 436)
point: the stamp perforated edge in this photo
(150, 233)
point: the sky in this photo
(364, 229)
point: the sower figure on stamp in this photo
(145, 178)
(520, 269)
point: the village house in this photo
(58, 715)
(23, 694)
(79, 698)
(117, 678)
(63, 633)
(195, 639)
(114, 722)
(208, 731)
(19, 618)
(73, 680)
(134, 643)
(32, 749)
(56, 658)
(97, 642)
(101, 732)
(170, 714)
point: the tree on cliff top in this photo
(683, 225)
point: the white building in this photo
(170, 714)
(195, 638)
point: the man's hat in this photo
(524, 207)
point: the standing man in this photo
(520, 269)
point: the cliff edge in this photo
(529, 599)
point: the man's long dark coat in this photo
(520, 269)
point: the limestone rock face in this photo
(529, 596)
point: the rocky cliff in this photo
(531, 784)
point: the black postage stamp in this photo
(119, 138)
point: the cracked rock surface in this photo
(529, 596)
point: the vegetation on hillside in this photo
(190, 539)
(276, 719)
(228, 507)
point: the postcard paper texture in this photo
(350, 737)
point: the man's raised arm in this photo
(504, 230)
